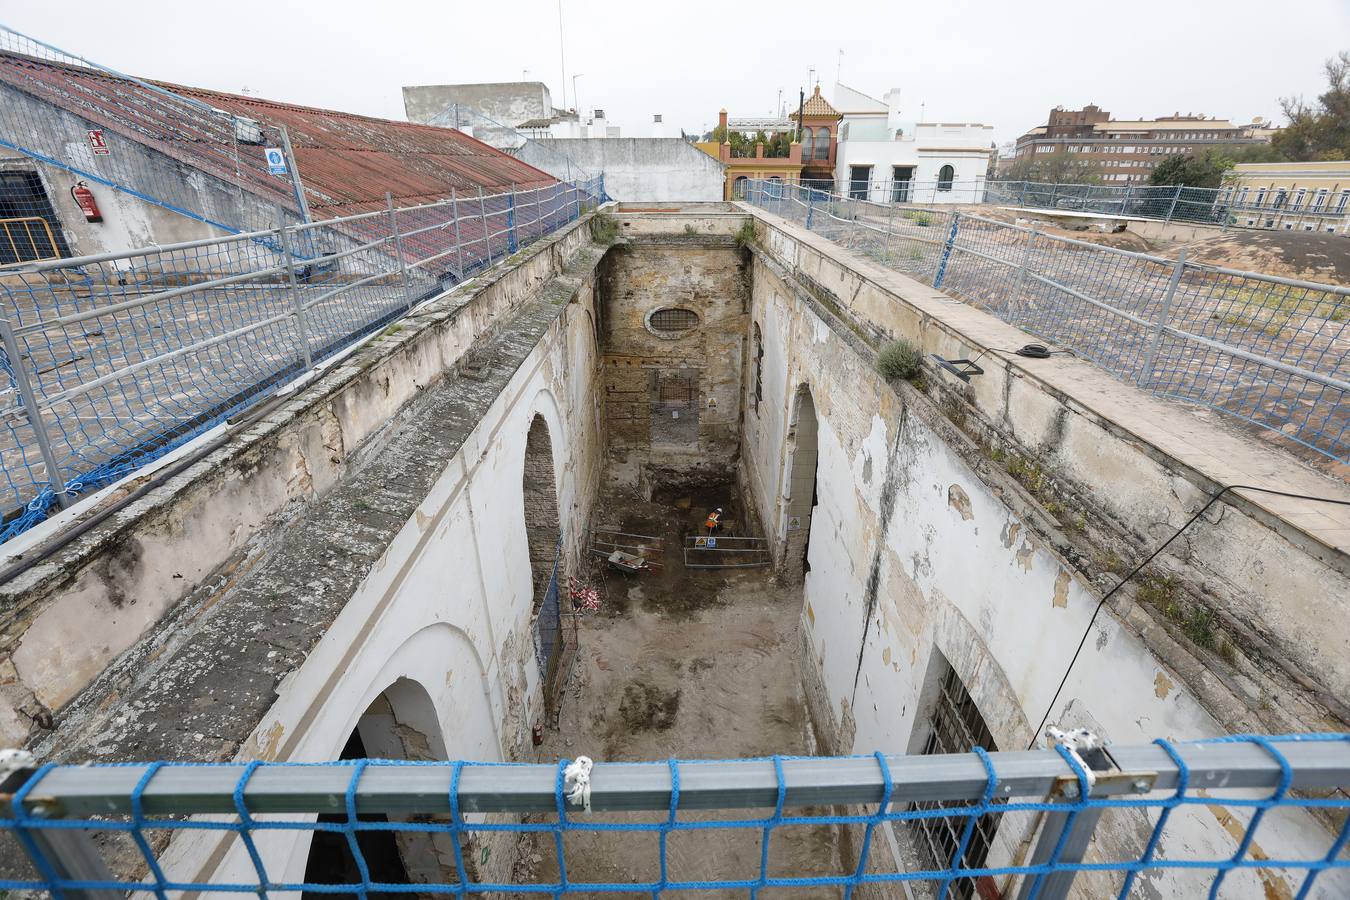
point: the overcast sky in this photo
(1003, 63)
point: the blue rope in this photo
(887, 787)
(247, 826)
(456, 770)
(363, 889)
(138, 833)
(1177, 799)
(1286, 778)
(958, 858)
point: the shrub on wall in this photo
(900, 359)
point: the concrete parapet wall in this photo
(635, 169)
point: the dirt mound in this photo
(1121, 240)
(1291, 254)
(1309, 256)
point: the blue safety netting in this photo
(566, 819)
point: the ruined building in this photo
(414, 550)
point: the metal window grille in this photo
(955, 726)
(673, 319)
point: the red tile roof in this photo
(347, 162)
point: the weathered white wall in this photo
(448, 606)
(921, 551)
(635, 169)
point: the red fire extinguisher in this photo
(85, 198)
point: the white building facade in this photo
(886, 159)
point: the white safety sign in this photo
(96, 141)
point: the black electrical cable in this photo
(1026, 351)
(1148, 559)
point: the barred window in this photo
(672, 320)
(955, 726)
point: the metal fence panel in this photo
(1271, 351)
(115, 359)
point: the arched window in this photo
(738, 187)
(945, 177)
(823, 144)
(808, 141)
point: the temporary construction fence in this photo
(1272, 351)
(95, 831)
(1288, 209)
(112, 360)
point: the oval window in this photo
(672, 321)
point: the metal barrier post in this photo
(1056, 885)
(810, 206)
(1164, 315)
(300, 326)
(1054, 191)
(482, 217)
(1175, 197)
(886, 242)
(398, 248)
(459, 242)
(511, 220)
(1021, 273)
(1125, 201)
(946, 251)
(33, 411)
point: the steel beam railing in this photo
(1054, 798)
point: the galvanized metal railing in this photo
(111, 360)
(1272, 351)
(1231, 206)
(1185, 816)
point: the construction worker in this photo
(714, 521)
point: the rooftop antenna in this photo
(810, 76)
(562, 58)
(839, 67)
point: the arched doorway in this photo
(543, 532)
(800, 494)
(400, 723)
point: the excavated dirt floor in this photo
(695, 665)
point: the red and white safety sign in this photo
(96, 141)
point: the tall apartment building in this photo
(1127, 150)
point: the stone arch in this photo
(400, 723)
(799, 490)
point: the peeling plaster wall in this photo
(672, 401)
(922, 547)
(448, 606)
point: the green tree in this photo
(1321, 130)
(1204, 170)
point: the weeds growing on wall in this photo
(745, 235)
(900, 359)
(605, 229)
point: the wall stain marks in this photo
(1162, 685)
(1062, 580)
(1274, 887)
(1026, 554)
(959, 500)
